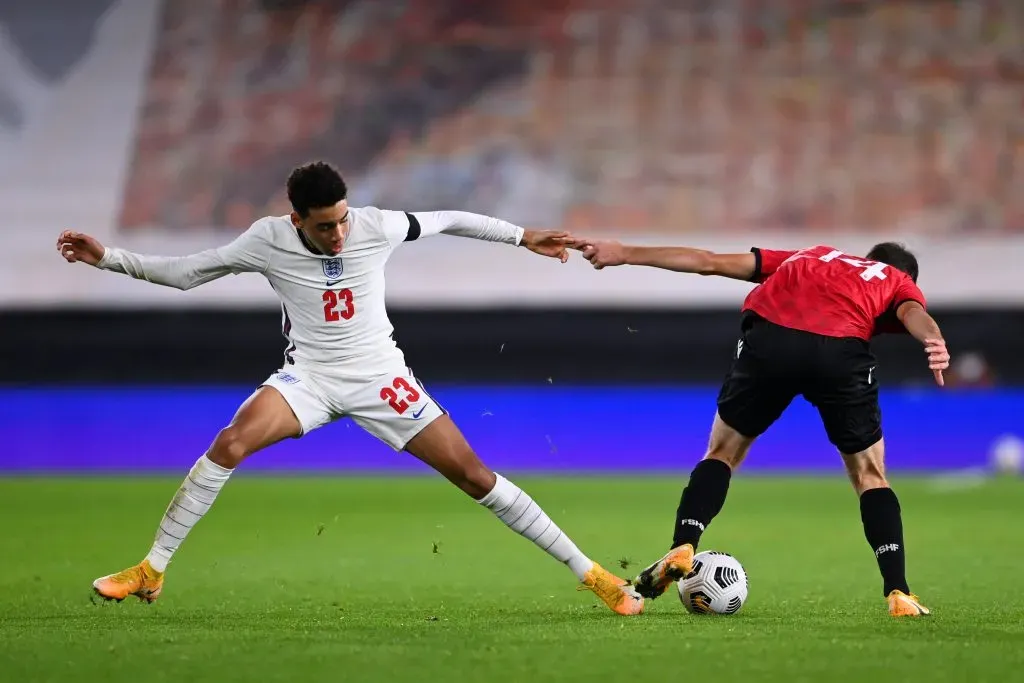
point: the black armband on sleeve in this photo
(756, 277)
(414, 227)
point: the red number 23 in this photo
(400, 405)
(331, 301)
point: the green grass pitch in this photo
(372, 579)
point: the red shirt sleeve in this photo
(906, 290)
(767, 261)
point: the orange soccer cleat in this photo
(617, 593)
(656, 579)
(903, 605)
(142, 581)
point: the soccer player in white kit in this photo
(326, 263)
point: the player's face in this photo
(326, 227)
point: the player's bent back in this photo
(824, 291)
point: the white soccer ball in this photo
(1007, 455)
(717, 584)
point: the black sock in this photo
(883, 527)
(702, 499)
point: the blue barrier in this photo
(544, 429)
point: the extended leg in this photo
(442, 446)
(264, 419)
(701, 501)
(848, 403)
(883, 527)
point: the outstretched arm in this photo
(925, 330)
(248, 253)
(411, 226)
(602, 253)
(466, 224)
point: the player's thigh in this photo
(262, 420)
(285, 406)
(442, 446)
(845, 392)
(399, 411)
(757, 390)
(301, 397)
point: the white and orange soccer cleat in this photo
(656, 579)
(903, 605)
(142, 581)
(613, 591)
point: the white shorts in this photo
(394, 407)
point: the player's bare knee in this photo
(730, 451)
(729, 459)
(470, 475)
(726, 444)
(476, 480)
(229, 448)
(869, 483)
(867, 476)
(866, 468)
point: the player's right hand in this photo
(601, 253)
(77, 246)
(938, 358)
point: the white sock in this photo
(190, 503)
(516, 509)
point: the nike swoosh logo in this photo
(419, 412)
(331, 283)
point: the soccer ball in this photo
(1007, 455)
(717, 584)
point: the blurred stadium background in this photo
(168, 126)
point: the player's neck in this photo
(307, 244)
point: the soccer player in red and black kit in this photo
(805, 330)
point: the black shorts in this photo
(773, 364)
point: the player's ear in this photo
(296, 220)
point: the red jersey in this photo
(822, 290)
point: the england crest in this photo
(332, 268)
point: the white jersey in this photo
(332, 306)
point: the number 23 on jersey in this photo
(338, 305)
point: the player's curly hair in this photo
(897, 256)
(315, 185)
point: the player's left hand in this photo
(548, 243)
(938, 358)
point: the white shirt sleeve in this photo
(406, 227)
(248, 253)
